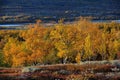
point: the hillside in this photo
(30, 10)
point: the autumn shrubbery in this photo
(60, 43)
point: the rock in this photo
(30, 69)
(95, 62)
(115, 69)
(110, 75)
(115, 63)
(45, 72)
(105, 62)
(99, 74)
(64, 72)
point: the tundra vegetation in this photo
(80, 41)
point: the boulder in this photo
(30, 69)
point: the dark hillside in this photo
(29, 10)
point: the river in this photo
(23, 24)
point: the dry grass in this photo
(62, 72)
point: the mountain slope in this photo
(56, 9)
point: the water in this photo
(12, 25)
(23, 24)
(118, 21)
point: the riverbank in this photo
(14, 26)
(90, 71)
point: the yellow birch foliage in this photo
(78, 58)
(88, 47)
